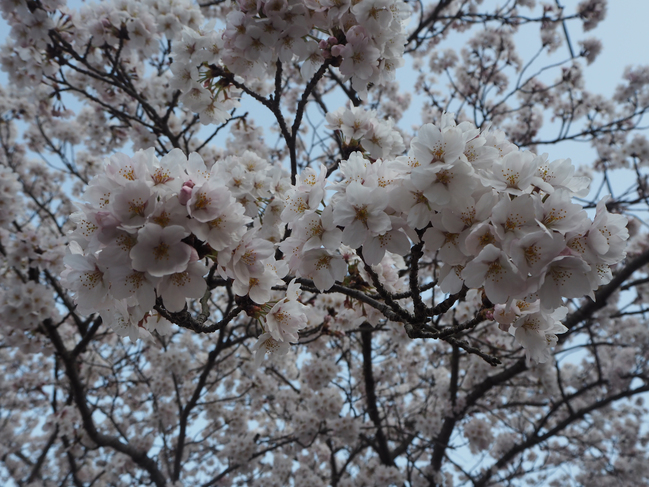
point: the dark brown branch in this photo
(35, 473)
(186, 411)
(428, 22)
(381, 445)
(561, 425)
(79, 395)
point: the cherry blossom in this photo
(174, 289)
(170, 171)
(159, 251)
(501, 278)
(287, 316)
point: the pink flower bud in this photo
(185, 193)
(337, 50)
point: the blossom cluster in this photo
(494, 217)
(135, 28)
(137, 228)
(364, 40)
(9, 201)
(24, 306)
(375, 135)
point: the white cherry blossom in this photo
(493, 270)
(323, 267)
(362, 215)
(159, 251)
(287, 316)
(174, 289)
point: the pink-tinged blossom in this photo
(88, 230)
(292, 247)
(471, 212)
(251, 45)
(413, 203)
(561, 215)
(374, 15)
(267, 344)
(323, 267)
(312, 184)
(9, 190)
(196, 169)
(258, 288)
(506, 314)
(126, 283)
(388, 272)
(394, 240)
(117, 249)
(169, 212)
(133, 204)
(154, 321)
(480, 235)
(297, 204)
(600, 274)
(225, 229)
(288, 316)
(493, 270)
(196, 97)
(515, 218)
(354, 122)
(377, 141)
(479, 433)
(592, 12)
(174, 289)
(534, 251)
(319, 230)
(446, 240)
(450, 278)
(248, 258)
(559, 174)
(564, 277)
(537, 332)
(185, 193)
(514, 173)
(86, 278)
(118, 318)
(431, 145)
(166, 175)
(445, 184)
(361, 213)
(99, 192)
(159, 251)
(184, 74)
(359, 55)
(122, 169)
(608, 234)
(291, 43)
(479, 155)
(208, 201)
(313, 59)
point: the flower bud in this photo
(185, 193)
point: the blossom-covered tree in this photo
(227, 258)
